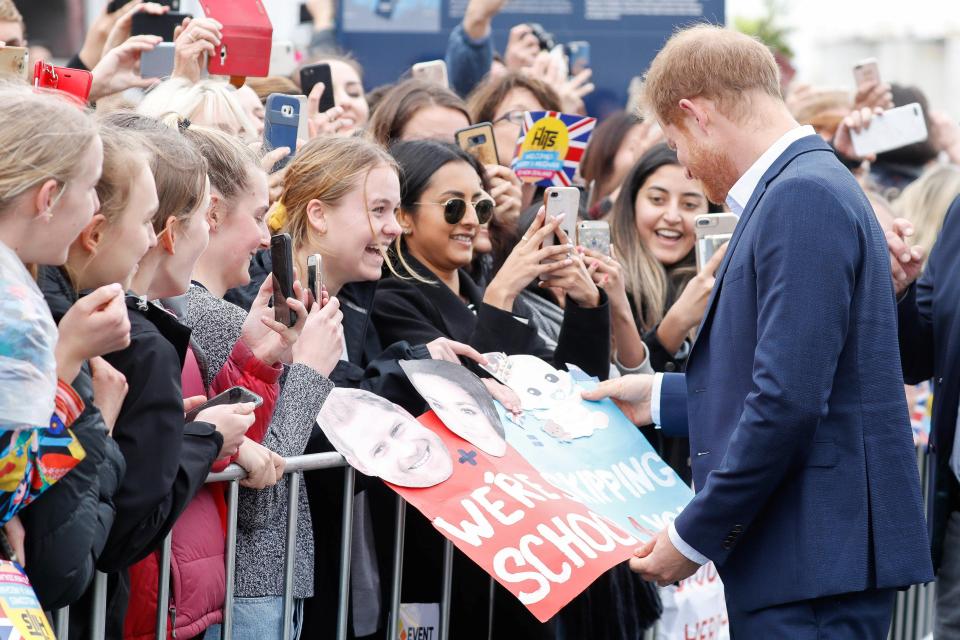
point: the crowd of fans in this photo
(141, 229)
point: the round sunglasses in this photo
(455, 208)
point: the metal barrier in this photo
(912, 618)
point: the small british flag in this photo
(550, 147)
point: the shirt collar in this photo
(741, 192)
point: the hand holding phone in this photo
(890, 130)
(244, 49)
(563, 201)
(594, 235)
(233, 395)
(281, 253)
(315, 277)
(284, 123)
(231, 421)
(712, 230)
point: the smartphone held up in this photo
(281, 254)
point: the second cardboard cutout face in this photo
(461, 402)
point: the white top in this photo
(741, 192)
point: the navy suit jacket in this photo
(930, 348)
(800, 441)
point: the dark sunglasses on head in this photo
(455, 208)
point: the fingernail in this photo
(905, 257)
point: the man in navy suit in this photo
(808, 496)
(929, 323)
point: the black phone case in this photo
(146, 24)
(281, 254)
(310, 76)
(233, 395)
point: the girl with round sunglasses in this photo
(443, 205)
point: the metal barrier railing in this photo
(912, 618)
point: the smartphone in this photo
(281, 254)
(432, 71)
(116, 5)
(73, 82)
(578, 55)
(158, 62)
(891, 129)
(284, 122)
(867, 71)
(147, 24)
(310, 75)
(233, 395)
(283, 58)
(14, 61)
(479, 142)
(595, 235)
(566, 201)
(315, 276)
(247, 37)
(712, 230)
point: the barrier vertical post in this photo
(447, 589)
(346, 537)
(396, 580)
(291, 553)
(163, 588)
(98, 619)
(230, 568)
(61, 623)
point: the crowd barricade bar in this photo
(396, 578)
(290, 554)
(447, 589)
(230, 555)
(163, 587)
(346, 536)
(912, 616)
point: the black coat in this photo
(374, 369)
(407, 309)
(67, 526)
(929, 325)
(167, 460)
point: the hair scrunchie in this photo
(277, 218)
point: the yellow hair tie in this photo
(278, 217)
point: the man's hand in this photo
(659, 561)
(906, 262)
(630, 393)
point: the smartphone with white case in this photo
(712, 230)
(563, 201)
(889, 130)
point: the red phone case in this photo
(247, 38)
(71, 81)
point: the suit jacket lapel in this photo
(801, 146)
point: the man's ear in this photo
(317, 216)
(695, 111)
(167, 236)
(92, 234)
(45, 197)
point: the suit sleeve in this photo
(167, 461)
(804, 293)
(673, 405)
(915, 312)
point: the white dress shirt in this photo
(737, 199)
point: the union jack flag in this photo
(558, 172)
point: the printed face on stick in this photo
(461, 402)
(379, 438)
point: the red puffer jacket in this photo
(197, 578)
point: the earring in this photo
(47, 215)
(407, 231)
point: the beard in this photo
(715, 171)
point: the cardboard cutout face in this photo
(461, 402)
(381, 439)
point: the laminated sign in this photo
(550, 147)
(21, 616)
